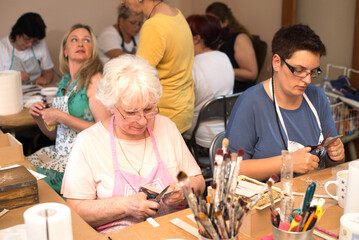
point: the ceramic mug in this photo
(341, 183)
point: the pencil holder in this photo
(279, 234)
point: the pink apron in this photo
(127, 184)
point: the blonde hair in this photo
(90, 67)
(129, 79)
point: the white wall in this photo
(333, 20)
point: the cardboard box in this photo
(18, 187)
(10, 150)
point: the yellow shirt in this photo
(166, 43)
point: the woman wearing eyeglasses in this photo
(133, 148)
(26, 51)
(297, 116)
(123, 36)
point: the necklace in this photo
(149, 15)
(123, 152)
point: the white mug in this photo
(341, 184)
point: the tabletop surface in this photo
(144, 230)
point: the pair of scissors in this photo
(324, 143)
(308, 197)
(153, 196)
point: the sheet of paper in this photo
(37, 175)
(185, 226)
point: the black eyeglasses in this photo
(300, 73)
(136, 118)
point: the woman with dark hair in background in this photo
(239, 47)
(212, 73)
(74, 108)
(26, 51)
(166, 43)
(123, 36)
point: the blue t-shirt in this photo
(253, 127)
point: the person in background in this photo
(166, 43)
(75, 107)
(121, 37)
(133, 148)
(212, 72)
(285, 112)
(239, 47)
(24, 50)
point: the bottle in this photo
(327, 86)
(48, 105)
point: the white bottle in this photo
(327, 86)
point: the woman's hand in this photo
(335, 150)
(304, 161)
(176, 198)
(41, 81)
(25, 77)
(36, 108)
(140, 208)
(51, 116)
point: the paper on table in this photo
(185, 226)
(248, 187)
(37, 175)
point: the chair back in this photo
(260, 48)
(217, 108)
(215, 144)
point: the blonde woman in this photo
(75, 108)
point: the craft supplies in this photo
(18, 187)
(287, 199)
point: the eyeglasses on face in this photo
(136, 117)
(135, 23)
(300, 73)
(28, 39)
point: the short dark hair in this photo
(209, 28)
(30, 24)
(290, 39)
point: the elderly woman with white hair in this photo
(133, 148)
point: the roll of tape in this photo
(48, 221)
(349, 226)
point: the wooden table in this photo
(17, 121)
(81, 230)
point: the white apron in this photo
(292, 145)
(31, 66)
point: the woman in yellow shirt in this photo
(166, 43)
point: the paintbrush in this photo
(270, 183)
(225, 143)
(207, 224)
(184, 182)
(222, 225)
(234, 178)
